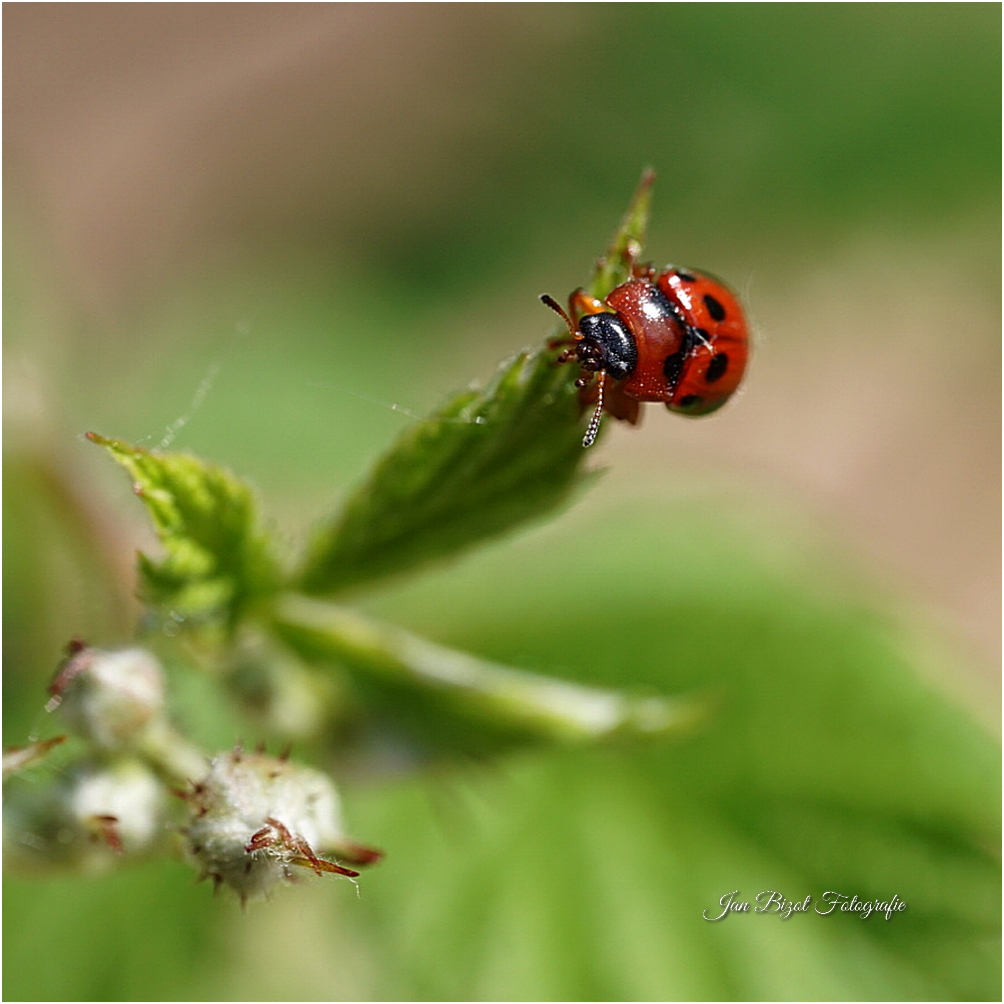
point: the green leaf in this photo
(217, 562)
(485, 462)
(457, 703)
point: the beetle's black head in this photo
(606, 344)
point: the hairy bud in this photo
(122, 803)
(109, 699)
(96, 813)
(255, 818)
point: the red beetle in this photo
(676, 336)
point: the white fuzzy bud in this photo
(97, 813)
(256, 817)
(122, 803)
(108, 699)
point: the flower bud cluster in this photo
(111, 801)
(253, 819)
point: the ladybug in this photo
(678, 336)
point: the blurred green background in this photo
(275, 230)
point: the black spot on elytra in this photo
(717, 367)
(686, 276)
(690, 401)
(702, 336)
(715, 309)
(673, 365)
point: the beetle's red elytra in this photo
(677, 336)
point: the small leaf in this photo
(460, 703)
(217, 561)
(482, 464)
(485, 462)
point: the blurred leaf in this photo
(828, 765)
(484, 463)
(218, 563)
(137, 932)
(584, 876)
(459, 703)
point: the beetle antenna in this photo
(558, 309)
(594, 423)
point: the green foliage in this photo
(218, 562)
(568, 872)
(484, 462)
